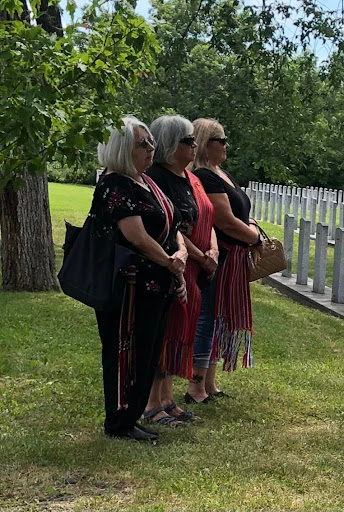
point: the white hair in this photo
(167, 132)
(116, 155)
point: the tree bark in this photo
(27, 250)
(50, 18)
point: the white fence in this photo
(313, 212)
(320, 261)
(271, 202)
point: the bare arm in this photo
(134, 231)
(213, 242)
(194, 253)
(182, 252)
(228, 223)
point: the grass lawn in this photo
(276, 444)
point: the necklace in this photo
(141, 183)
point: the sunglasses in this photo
(190, 140)
(221, 140)
(144, 143)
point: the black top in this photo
(239, 201)
(117, 197)
(179, 190)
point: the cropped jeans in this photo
(203, 343)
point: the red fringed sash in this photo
(177, 350)
(233, 313)
(126, 349)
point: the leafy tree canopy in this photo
(58, 91)
(255, 70)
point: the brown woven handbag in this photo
(272, 258)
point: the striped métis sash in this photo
(126, 356)
(233, 313)
(177, 349)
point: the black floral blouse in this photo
(117, 197)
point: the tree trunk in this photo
(27, 250)
(50, 18)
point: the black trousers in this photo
(150, 320)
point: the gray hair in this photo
(116, 155)
(167, 132)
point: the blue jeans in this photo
(205, 328)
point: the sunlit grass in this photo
(277, 444)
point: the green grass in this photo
(274, 230)
(276, 445)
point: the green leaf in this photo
(71, 8)
(11, 6)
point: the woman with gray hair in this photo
(132, 211)
(175, 149)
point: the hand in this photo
(213, 254)
(176, 266)
(181, 254)
(181, 291)
(254, 228)
(210, 261)
(256, 253)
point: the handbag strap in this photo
(261, 231)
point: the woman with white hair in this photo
(129, 208)
(175, 149)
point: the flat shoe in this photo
(190, 400)
(131, 433)
(147, 430)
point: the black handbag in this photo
(91, 266)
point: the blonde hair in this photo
(205, 129)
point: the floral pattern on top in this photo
(117, 200)
(152, 286)
(117, 197)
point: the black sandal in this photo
(184, 416)
(165, 420)
(190, 399)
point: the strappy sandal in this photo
(183, 416)
(169, 421)
(190, 399)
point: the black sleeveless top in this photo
(239, 201)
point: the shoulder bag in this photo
(91, 265)
(272, 258)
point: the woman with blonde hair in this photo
(225, 320)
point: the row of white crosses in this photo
(271, 202)
(301, 209)
(321, 247)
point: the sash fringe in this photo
(176, 358)
(177, 351)
(233, 313)
(228, 345)
(126, 350)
